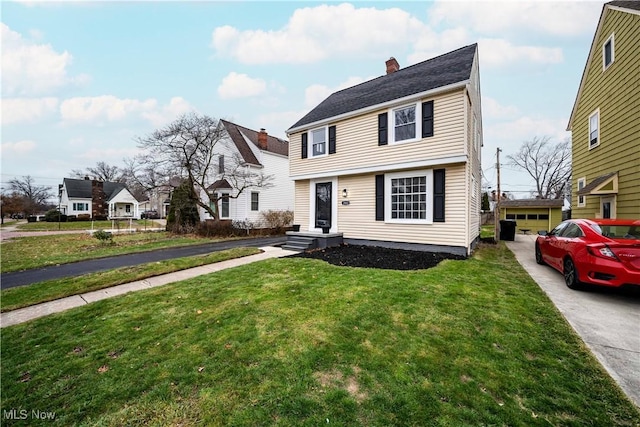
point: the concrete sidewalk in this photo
(40, 310)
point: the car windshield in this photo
(618, 231)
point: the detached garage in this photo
(532, 215)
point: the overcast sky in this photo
(82, 80)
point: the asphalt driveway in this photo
(607, 320)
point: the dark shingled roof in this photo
(274, 145)
(443, 70)
(81, 188)
(595, 183)
(532, 203)
(219, 184)
(635, 5)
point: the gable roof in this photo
(532, 203)
(239, 136)
(622, 6)
(81, 188)
(444, 70)
(597, 182)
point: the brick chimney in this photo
(392, 65)
(98, 199)
(262, 139)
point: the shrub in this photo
(210, 228)
(104, 236)
(277, 220)
(54, 215)
(84, 217)
(71, 218)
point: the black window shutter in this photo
(438, 195)
(379, 197)
(332, 139)
(427, 119)
(304, 145)
(382, 129)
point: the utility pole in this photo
(496, 213)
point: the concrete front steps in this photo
(306, 241)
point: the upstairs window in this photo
(404, 123)
(221, 164)
(318, 142)
(608, 54)
(594, 129)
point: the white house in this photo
(98, 199)
(258, 152)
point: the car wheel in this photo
(539, 259)
(571, 274)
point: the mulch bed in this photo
(378, 257)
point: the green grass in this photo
(23, 296)
(487, 231)
(87, 225)
(298, 342)
(41, 251)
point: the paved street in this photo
(608, 320)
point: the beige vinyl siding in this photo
(357, 219)
(357, 141)
(616, 93)
(301, 203)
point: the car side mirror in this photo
(543, 233)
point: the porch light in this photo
(344, 192)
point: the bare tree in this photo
(547, 163)
(188, 148)
(101, 171)
(34, 196)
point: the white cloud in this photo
(513, 133)
(236, 85)
(555, 18)
(15, 110)
(315, 94)
(492, 109)
(32, 69)
(316, 33)
(176, 107)
(500, 52)
(18, 147)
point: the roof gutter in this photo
(441, 89)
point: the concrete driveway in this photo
(607, 320)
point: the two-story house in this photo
(605, 120)
(395, 161)
(97, 199)
(243, 150)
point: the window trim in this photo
(388, 177)
(310, 143)
(225, 196)
(582, 202)
(611, 40)
(391, 124)
(592, 146)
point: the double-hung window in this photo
(581, 183)
(255, 201)
(404, 123)
(80, 207)
(318, 142)
(594, 129)
(224, 206)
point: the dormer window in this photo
(608, 53)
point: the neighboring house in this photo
(159, 200)
(98, 199)
(605, 121)
(395, 161)
(257, 152)
(533, 214)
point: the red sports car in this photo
(602, 252)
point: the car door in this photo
(570, 242)
(551, 248)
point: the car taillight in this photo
(602, 251)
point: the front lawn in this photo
(298, 342)
(41, 251)
(23, 296)
(141, 225)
